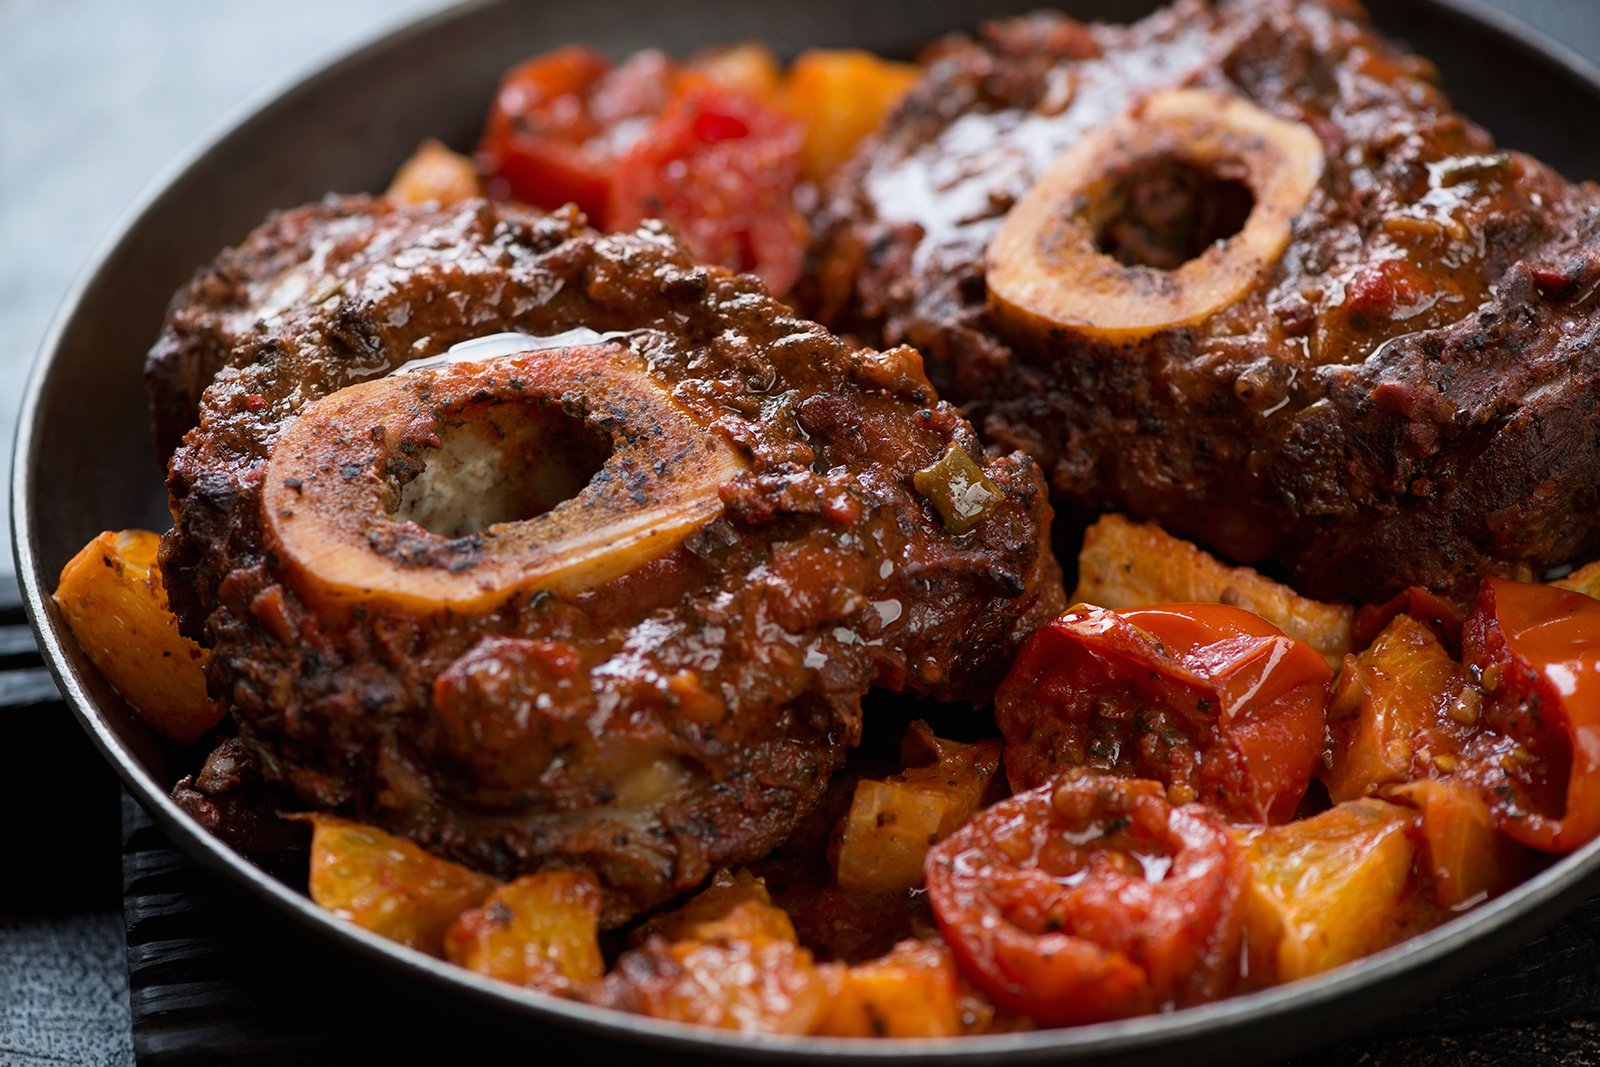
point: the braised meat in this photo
(1240, 269)
(606, 598)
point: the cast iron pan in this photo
(84, 461)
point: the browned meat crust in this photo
(1407, 396)
(678, 718)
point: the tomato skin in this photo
(537, 138)
(648, 139)
(721, 168)
(1212, 700)
(1091, 898)
(1537, 650)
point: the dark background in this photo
(97, 97)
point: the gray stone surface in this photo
(64, 991)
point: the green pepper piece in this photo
(958, 488)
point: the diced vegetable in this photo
(434, 174)
(388, 885)
(887, 835)
(1124, 564)
(1214, 702)
(958, 488)
(770, 987)
(891, 824)
(1439, 614)
(1466, 855)
(749, 68)
(541, 931)
(735, 907)
(1401, 710)
(1585, 580)
(841, 97)
(914, 991)
(1328, 889)
(112, 598)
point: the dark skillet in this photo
(84, 461)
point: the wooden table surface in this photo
(96, 97)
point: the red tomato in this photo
(560, 121)
(1537, 651)
(721, 168)
(1091, 898)
(1213, 701)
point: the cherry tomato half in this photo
(1213, 701)
(721, 168)
(1536, 649)
(1091, 898)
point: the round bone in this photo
(1045, 272)
(332, 500)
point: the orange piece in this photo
(892, 823)
(1400, 711)
(735, 907)
(541, 931)
(112, 599)
(750, 68)
(914, 991)
(388, 885)
(841, 96)
(435, 175)
(1326, 890)
(769, 987)
(1469, 859)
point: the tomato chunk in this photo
(1091, 898)
(1213, 701)
(1537, 650)
(560, 122)
(721, 168)
(1125, 564)
(703, 148)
